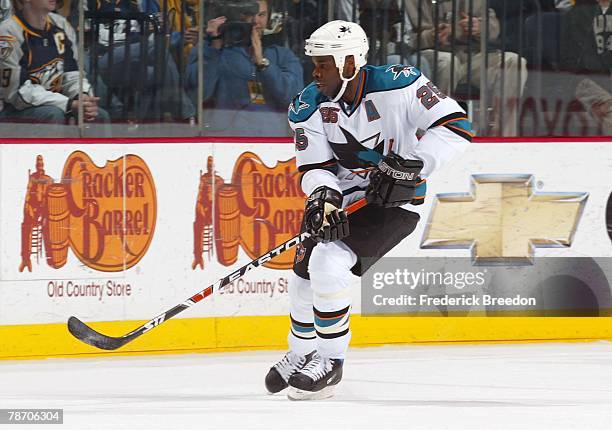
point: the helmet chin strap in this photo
(345, 82)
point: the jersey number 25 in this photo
(429, 95)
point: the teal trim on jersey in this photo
(463, 124)
(390, 77)
(300, 329)
(370, 156)
(361, 92)
(327, 322)
(421, 189)
(306, 103)
(378, 78)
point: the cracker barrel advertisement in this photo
(119, 231)
(114, 232)
(105, 215)
(260, 208)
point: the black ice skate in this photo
(277, 377)
(316, 380)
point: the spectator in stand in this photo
(587, 54)
(378, 18)
(304, 17)
(177, 13)
(40, 77)
(247, 86)
(347, 10)
(468, 59)
(6, 9)
(512, 16)
(388, 44)
(169, 97)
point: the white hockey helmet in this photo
(339, 39)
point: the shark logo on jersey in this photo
(399, 69)
(354, 155)
(300, 104)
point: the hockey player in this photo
(355, 135)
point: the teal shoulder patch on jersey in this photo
(305, 103)
(390, 77)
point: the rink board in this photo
(270, 332)
(116, 241)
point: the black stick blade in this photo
(86, 334)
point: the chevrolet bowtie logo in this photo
(502, 219)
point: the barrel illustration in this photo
(56, 228)
(227, 228)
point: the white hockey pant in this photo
(320, 308)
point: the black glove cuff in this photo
(326, 194)
(393, 183)
(400, 169)
(315, 206)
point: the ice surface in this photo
(508, 386)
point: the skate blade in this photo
(297, 394)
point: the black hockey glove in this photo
(324, 218)
(394, 182)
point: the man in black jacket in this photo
(588, 54)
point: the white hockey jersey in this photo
(39, 67)
(6, 9)
(392, 102)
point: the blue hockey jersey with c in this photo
(39, 67)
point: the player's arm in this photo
(313, 155)
(447, 128)
(323, 214)
(400, 177)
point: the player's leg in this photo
(301, 337)
(329, 268)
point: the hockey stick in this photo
(86, 334)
